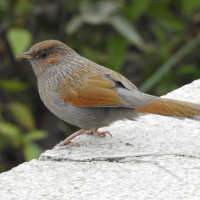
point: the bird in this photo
(90, 96)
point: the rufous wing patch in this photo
(94, 91)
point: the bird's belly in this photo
(93, 117)
(85, 117)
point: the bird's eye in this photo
(44, 55)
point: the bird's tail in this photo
(171, 107)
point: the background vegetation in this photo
(154, 43)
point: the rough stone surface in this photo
(154, 157)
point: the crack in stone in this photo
(160, 167)
(125, 159)
(107, 159)
(120, 159)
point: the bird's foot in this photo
(80, 132)
(95, 131)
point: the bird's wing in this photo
(90, 91)
(116, 77)
(102, 88)
(126, 89)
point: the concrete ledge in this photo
(154, 157)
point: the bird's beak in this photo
(24, 55)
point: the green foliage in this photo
(21, 112)
(11, 132)
(31, 151)
(35, 135)
(124, 28)
(75, 23)
(3, 4)
(188, 70)
(19, 40)
(137, 8)
(189, 6)
(21, 138)
(170, 63)
(104, 12)
(116, 46)
(13, 85)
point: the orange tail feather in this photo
(172, 107)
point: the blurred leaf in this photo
(19, 39)
(189, 6)
(3, 140)
(165, 46)
(35, 135)
(172, 24)
(161, 37)
(189, 69)
(105, 12)
(22, 115)
(10, 131)
(73, 5)
(137, 8)
(23, 7)
(31, 151)
(116, 49)
(165, 86)
(13, 85)
(3, 5)
(160, 12)
(124, 28)
(74, 24)
(98, 12)
(93, 54)
(147, 85)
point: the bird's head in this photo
(47, 55)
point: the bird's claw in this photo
(92, 131)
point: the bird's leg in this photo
(80, 132)
(71, 137)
